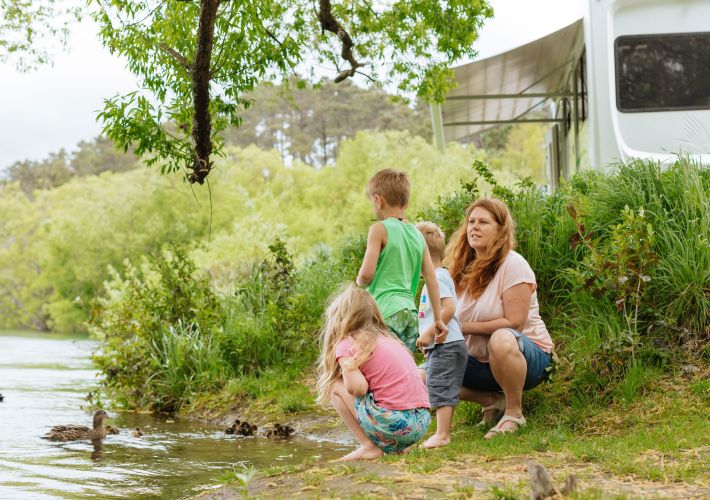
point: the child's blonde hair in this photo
(351, 310)
(434, 237)
(392, 185)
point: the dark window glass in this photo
(663, 72)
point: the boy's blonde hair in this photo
(392, 185)
(352, 310)
(434, 237)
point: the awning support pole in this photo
(437, 125)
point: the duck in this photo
(241, 428)
(80, 432)
(137, 432)
(2, 398)
(110, 429)
(280, 431)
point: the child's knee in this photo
(337, 391)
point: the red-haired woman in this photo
(508, 344)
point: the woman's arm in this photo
(355, 382)
(516, 305)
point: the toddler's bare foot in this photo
(362, 453)
(436, 441)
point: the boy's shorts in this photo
(391, 430)
(479, 376)
(445, 366)
(405, 325)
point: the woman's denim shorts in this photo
(479, 376)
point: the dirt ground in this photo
(469, 478)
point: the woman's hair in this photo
(352, 310)
(468, 272)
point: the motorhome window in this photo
(668, 72)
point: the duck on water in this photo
(80, 432)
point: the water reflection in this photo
(45, 381)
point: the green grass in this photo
(649, 438)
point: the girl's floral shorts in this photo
(391, 430)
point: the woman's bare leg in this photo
(509, 369)
(344, 404)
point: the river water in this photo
(44, 380)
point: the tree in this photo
(91, 158)
(309, 125)
(197, 61)
(44, 174)
(100, 155)
(29, 30)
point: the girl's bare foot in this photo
(362, 453)
(436, 441)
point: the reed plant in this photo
(187, 362)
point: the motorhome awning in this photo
(505, 88)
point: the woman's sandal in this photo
(493, 412)
(498, 428)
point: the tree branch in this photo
(176, 55)
(329, 23)
(367, 76)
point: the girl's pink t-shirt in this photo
(391, 374)
(489, 306)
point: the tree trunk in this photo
(201, 125)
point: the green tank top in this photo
(398, 268)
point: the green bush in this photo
(139, 318)
(276, 314)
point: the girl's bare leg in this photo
(344, 404)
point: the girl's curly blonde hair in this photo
(351, 313)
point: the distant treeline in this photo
(61, 244)
(304, 124)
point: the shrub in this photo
(140, 314)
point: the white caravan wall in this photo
(654, 134)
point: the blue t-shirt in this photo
(447, 289)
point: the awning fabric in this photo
(539, 68)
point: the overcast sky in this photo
(55, 106)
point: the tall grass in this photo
(584, 241)
(187, 362)
(677, 203)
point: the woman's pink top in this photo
(489, 306)
(391, 374)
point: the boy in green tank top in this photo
(395, 257)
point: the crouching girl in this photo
(370, 377)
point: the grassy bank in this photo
(655, 446)
(623, 266)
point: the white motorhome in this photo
(631, 79)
